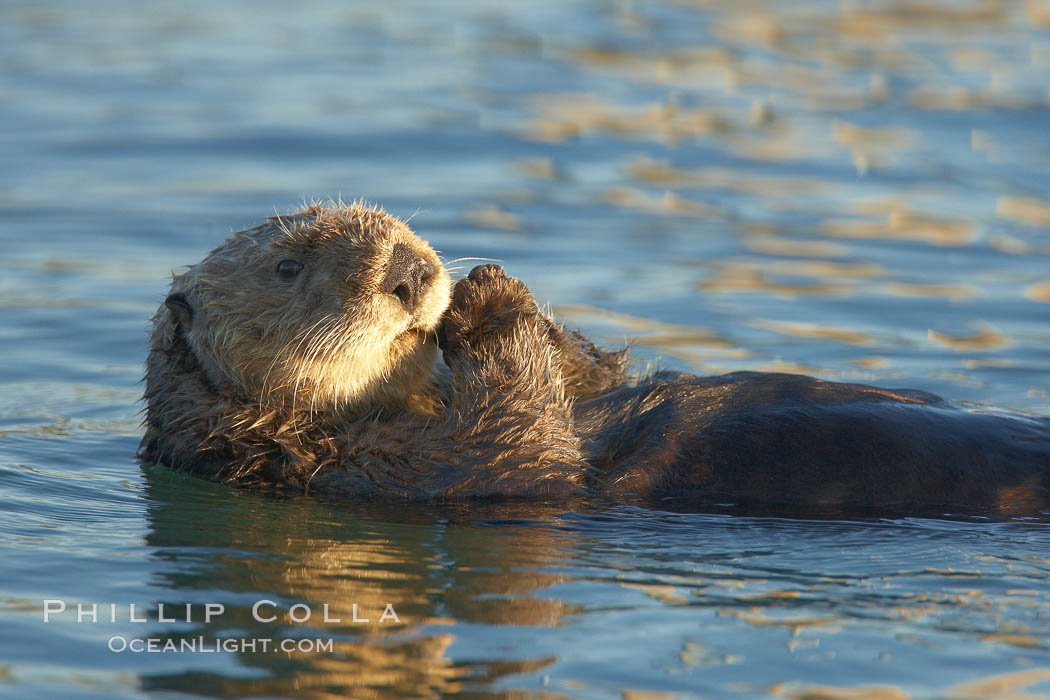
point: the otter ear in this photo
(180, 309)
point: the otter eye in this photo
(287, 269)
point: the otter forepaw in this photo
(485, 304)
(486, 273)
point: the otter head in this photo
(328, 309)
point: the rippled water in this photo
(855, 190)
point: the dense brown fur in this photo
(327, 381)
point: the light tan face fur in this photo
(329, 338)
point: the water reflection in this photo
(436, 569)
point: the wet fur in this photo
(328, 387)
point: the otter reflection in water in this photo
(482, 566)
(304, 352)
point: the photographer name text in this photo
(262, 611)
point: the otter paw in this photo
(485, 304)
(486, 273)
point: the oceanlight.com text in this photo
(202, 645)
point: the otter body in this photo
(304, 353)
(790, 439)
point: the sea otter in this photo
(304, 353)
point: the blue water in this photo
(859, 191)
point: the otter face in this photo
(330, 309)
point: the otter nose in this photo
(406, 275)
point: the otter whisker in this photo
(327, 345)
(415, 214)
(477, 259)
(318, 346)
(305, 335)
(323, 345)
(336, 343)
(309, 333)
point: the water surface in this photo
(858, 191)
